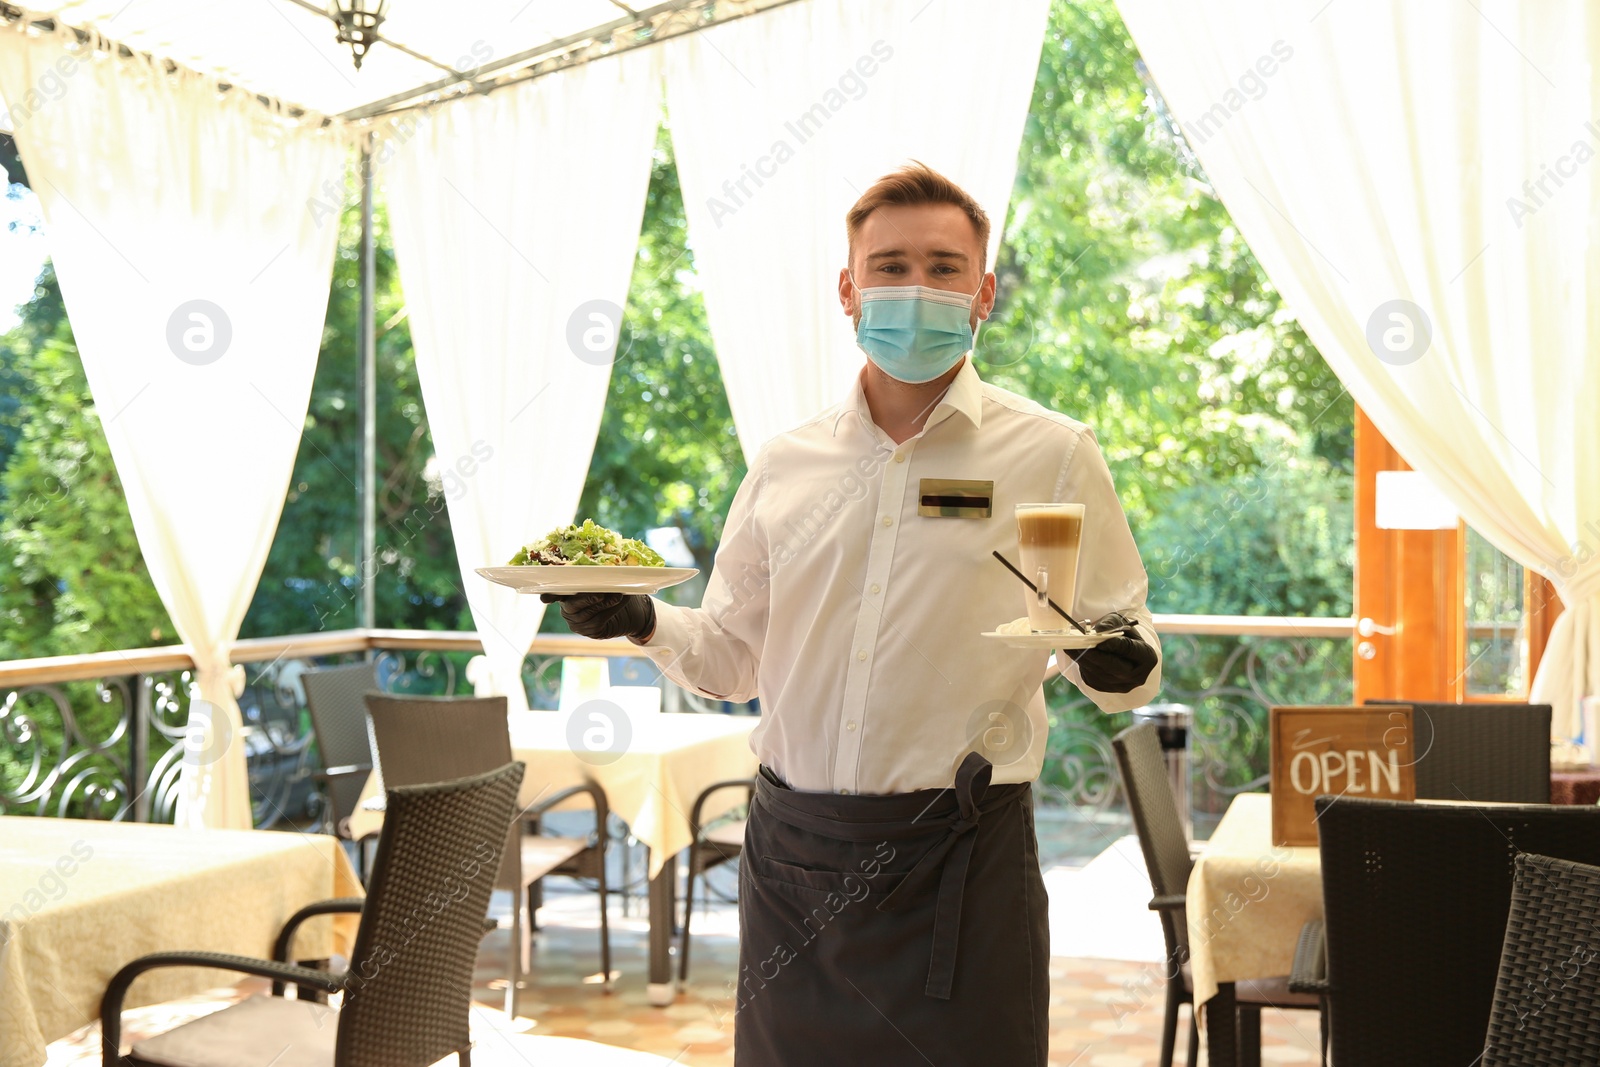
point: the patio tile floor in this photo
(1098, 1017)
(1103, 1012)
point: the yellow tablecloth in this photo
(78, 899)
(1248, 899)
(651, 784)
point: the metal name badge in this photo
(955, 498)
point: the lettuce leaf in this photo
(586, 545)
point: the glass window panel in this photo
(1496, 635)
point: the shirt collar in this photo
(964, 394)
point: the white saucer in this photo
(1071, 639)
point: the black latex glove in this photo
(1118, 664)
(606, 615)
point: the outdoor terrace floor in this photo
(1098, 1016)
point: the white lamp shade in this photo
(1408, 500)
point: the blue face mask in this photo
(912, 332)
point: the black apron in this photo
(886, 930)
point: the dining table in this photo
(1575, 786)
(651, 773)
(81, 898)
(1246, 902)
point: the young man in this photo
(891, 904)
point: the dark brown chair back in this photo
(1547, 998)
(1156, 821)
(1415, 899)
(431, 739)
(409, 991)
(336, 699)
(1482, 752)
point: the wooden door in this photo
(1406, 582)
(1411, 639)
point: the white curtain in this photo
(196, 281)
(1441, 154)
(781, 121)
(516, 219)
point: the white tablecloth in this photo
(79, 899)
(1248, 899)
(651, 784)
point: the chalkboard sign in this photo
(1344, 751)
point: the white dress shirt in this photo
(857, 621)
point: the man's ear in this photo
(986, 295)
(847, 292)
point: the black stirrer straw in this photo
(1030, 585)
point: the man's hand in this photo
(1116, 665)
(606, 615)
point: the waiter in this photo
(891, 905)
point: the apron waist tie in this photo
(951, 857)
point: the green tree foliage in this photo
(667, 453)
(71, 576)
(40, 316)
(1128, 300)
(315, 572)
(1275, 538)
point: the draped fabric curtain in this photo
(196, 280)
(780, 122)
(1419, 180)
(516, 219)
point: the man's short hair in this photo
(918, 183)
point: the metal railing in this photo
(101, 735)
(1231, 671)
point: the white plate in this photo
(561, 580)
(1069, 640)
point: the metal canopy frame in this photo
(636, 28)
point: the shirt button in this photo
(875, 587)
(844, 792)
(899, 457)
(861, 653)
(887, 521)
(851, 725)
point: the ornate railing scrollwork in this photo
(1080, 768)
(541, 677)
(57, 761)
(430, 672)
(1231, 681)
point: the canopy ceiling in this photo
(287, 50)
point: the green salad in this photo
(588, 545)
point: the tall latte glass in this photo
(1048, 536)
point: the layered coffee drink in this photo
(1048, 537)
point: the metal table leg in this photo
(1222, 1048)
(663, 920)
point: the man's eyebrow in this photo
(935, 253)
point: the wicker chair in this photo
(1415, 898)
(1482, 752)
(428, 737)
(408, 992)
(336, 699)
(1166, 857)
(714, 845)
(1546, 1009)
